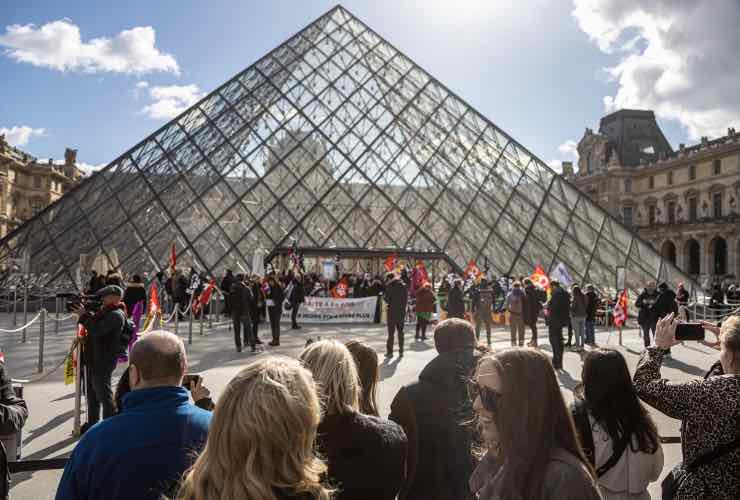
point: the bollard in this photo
(42, 328)
(25, 309)
(56, 318)
(177, 318)
(201, 320)
(15, 305)
(190, 324)
(210, 313)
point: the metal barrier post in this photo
(190, 324)
(56, 318)
(15, 305)
(42, 328)
(210, 312)
(78, 391)
(177, 317)
(201, 319)
(25, 309)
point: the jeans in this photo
(243, 329)
(395, 326)
(579, 326)
(275, 312)
(421, 328)
(294, 315)
(480, 321)
(646, 329)
(99, 391)
(556, 342)
(590, 332)
(255, 326)
(533, 327)
(516, 322)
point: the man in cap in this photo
(104, 343)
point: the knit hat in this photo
(110, 290)
(453, 334)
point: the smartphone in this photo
(189, 378)
(690, 331)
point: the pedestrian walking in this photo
(515, 304)
(396, 296)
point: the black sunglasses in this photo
(491, 399)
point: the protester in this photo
(396, 296)
(104, 343)
(682, 295)
(559, 317)
(455, 302)
(437, 415)
(199, 393)
(261, 442)
(366, 361)
(242, 304)
(135, 292)
(532, 450)
(274, 297)
(709, 411)
(533, 300)
(483, 308)
(258, 307)
(515, 305)
(226, 283)
(376, 290)
(592, 305)
(424, 309)
(617, 433)
(366, 455)
(296, 298)
(143, 451)
(647, 315)
(578, 314)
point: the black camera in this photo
(90, 303)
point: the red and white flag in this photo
(620, 309)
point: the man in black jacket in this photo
(647, 316)
(226, 284)
(396, 296)
(242, 304)
(104, 343)
(455, 301)
(592, 305)
(296, 298)
(532, 307)
(436, 414)
(559, 317)
(13, 415)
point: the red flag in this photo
(472, 269)
(390, 263)
(205, 296)
(539, 278)
(173, 259)
(153, 300)
(340, 291)
(620, 309)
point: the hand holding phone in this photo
(690, 332)
(189, 379)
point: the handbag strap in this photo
(616, 455)
(714, 454)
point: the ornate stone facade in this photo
(684, 202)
(27, 186)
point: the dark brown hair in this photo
(532, 420)
(366, 360)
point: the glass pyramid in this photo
(337, 140)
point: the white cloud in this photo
(171, 100)
(556, 165)
(678, 58)
(19, 136)
(59, 45)
(90, 169)
(569, 148)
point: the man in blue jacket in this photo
(143, 451)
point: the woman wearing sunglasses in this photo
(532, 452)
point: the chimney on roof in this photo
(70, 156)
(567, 168)
(704, 140)
(589, 131)
(731, 132)
(51, 161)
(681, 146)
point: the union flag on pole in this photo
(620, 309)
(539, 278)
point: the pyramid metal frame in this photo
(399, 162)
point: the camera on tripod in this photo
(90, 303)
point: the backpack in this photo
(516, 303)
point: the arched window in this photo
(718, 252)
(692, 253)
(668, 251)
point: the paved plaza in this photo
(47, 433)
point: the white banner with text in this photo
(329, 310)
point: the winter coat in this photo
(559, 308)
(298, 293)
(258, 304)
(592, 305)
(436, 414)
(103, 342)
(455, 303)
(566, 478)
(682, 296)
(578, 305)
(425, 300)
(226, 283)
(534, 298)
(516, 294)
(135, 292)
(140, 453)
(366, 455)
(13, 410)
(645, 303)
(483, 301)
(241, 300)
(396, 296)
(666, 303)
(276, 293)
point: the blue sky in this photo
(542, 70)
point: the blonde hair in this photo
(261, 437)
(335, 373)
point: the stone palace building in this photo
(684, 202)
(28, 186)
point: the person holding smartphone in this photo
(709, 411)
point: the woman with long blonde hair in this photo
(366, 455)
(260, 443)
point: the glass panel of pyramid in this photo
(338, 140)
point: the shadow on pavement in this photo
(48, 426)
(388, 368)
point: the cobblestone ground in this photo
(51, 404)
